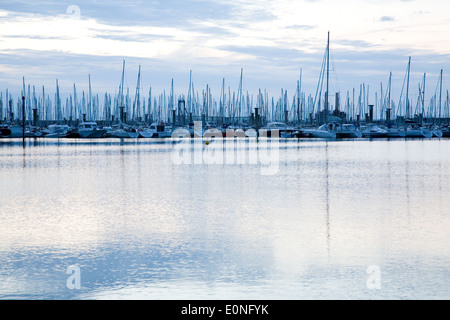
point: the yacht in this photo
(122, 133)
(418, 132)
(374, 131)
(13, 131)
(346, 130)
(90, 130)
(55, 131)
(446, 131)
(5, 132)
(282, 129)
(322, 132)
(157, 131)
(437, 132)
(145, 133)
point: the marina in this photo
(121, 116)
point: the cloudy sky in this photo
(270, 40)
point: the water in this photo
(334, 220)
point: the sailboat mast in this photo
(137, 97)
(189, 102)
(440, 96)
(90, 100)
(423, 94)
(328, 74)
(122, 84)
(299, 90)
(407, 90)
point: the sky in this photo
(273, 42)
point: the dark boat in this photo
(5, 132)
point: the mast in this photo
(440, 97)
(299, 90)
(172, 104)
(423, 94)
(240, 96)
(388, 109)
(222, 113)
(407, 115)
(24, 89)
(328, 76)
(90, 101)
(58, 103)
(121, 97)
(137, 98)
(189, 97)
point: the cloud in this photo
(387, 19)
(301, 27)
(271, 40)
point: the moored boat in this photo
(5, 132)
(320, 132)
(90, 130)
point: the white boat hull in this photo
(322, 134)
(145, 134)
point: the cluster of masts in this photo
(230, 108)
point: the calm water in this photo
(332, 220)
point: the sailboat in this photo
(14, 131)
(90, 130)
(5, 132)
(321, 132)
(324, 131)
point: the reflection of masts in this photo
(327, 198)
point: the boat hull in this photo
(437, 133)
(322, 134)
(419, 134)
(92, 134)
(143, 134)
(348, 135)
(5, 132)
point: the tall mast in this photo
(423, 94)
(223, 99)
(90, 101)
(121, 85)
(240, 95)
(390, 86)
(75, 101)
(189, 97)
(440, 97)
(299, 90)
(137, 112)
(58, 103)
(328, 75)
(407, 90)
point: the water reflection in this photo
(327, 198)
(141, 226)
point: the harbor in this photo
(232, 114)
